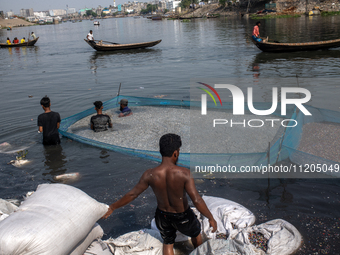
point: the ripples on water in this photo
(65, 68)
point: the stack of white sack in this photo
(235, 222)
(142, 242)
(57, 219)
(283, 239)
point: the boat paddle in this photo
(107, 42)
(118, 92)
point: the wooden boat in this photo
(289, 47)
(29, 43)
(109, 46)
(96, 23)
(156, 17)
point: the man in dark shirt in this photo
(171, 184)
(48, 123)
(124, 109)
(100, 121)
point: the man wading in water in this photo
(171, 184)
(100, 121)
(48, 123)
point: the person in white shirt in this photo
(90, 37)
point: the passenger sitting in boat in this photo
(15, 40)
(100, 121)
(90, 37)
(22, 40)
(124, 109)
(8, 41)
(256, 32)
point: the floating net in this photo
(294, 144)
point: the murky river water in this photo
(73, 75)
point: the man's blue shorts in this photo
(256, 38)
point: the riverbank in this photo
(216, 10)
(4, 23)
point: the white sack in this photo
(98, 247)
(52, 221)
(143, 242)
(224, 247)
(96, 233)
(283, 237)
(230, 217)
(6, 208)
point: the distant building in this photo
(40, 14)
(70, 10)
(119, 7)
(99, 10)
(106, 11)
(46, 19)
(83, 11)
(57, 12)
(162, 5)
(32, 19)
(26, 12)
(9, 14)
(171, 6)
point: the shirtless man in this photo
(171, 184)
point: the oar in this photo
(118, 92)
(106, 41)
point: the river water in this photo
(73, 75)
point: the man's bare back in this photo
(168, 184)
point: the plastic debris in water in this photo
(4, 144)
(22, 154)
(67, 177)
(18, 162)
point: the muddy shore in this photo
(15, 22)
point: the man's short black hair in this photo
(45, 101)
(98, 104)
(258, 22)
(168, 144)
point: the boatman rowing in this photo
(171, 184)
(256, 32)
(101, 121)
(90, 37)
